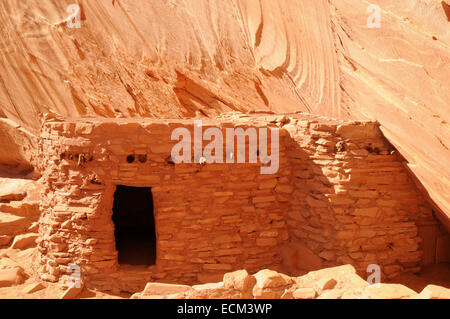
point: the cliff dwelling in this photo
(225, 149)
(115, 204)
(134, 225)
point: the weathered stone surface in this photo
(11, 224)
(72, 292)
(7, 262)
(347, 75)
(31, 288)
(269, 279)
(326, 283)
(304, 293)
(342, 278)
(24, 241)
(11, 277)
(434, 292)
(5, 240)
(242, 281)
(17, 157)
(269, 284)
(329, 283)
(388, 291)
(187, 87)
(212, 291)
(161, 289)
(14, 189)
(298, 256)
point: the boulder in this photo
(304, 293)
(242, 281)
(434, 292)
(388, 291)
(11, 277)
(270, 284)
(25, 241)
(340, 277)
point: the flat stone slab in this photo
(156, 288)
(11, 277)
(15, 188)
(11, 224)
(31, 288)
(24, 241)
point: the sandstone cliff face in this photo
(136, 58)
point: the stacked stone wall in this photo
(341, 195)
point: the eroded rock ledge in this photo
(340, 282)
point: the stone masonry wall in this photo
(341, 195)
(354, 202)
(209, 219)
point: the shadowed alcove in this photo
(134, 225)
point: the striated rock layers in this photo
(174, 59)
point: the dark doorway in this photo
(134, 225)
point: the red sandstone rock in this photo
(161, 289)
(11, 224)
(325, 283)
(242, 281)
(24, 241)
(212, 291)
(341, 278)
(270, 284)
(298, 256)
(31, 288)
(178, 77)
(336, 283)
(304, 293)
(269, 279)
(13, 189)
(72, 292)
(8, 263)
(5, 240)
(434, 292)
(388, 291)
(358, 205)
(17, 154)
(11, 277)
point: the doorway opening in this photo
(134, 225)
